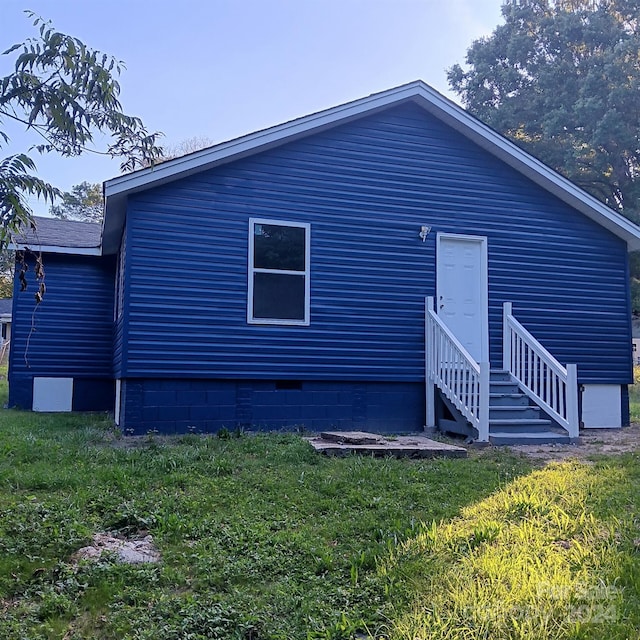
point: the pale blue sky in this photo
(223, 68)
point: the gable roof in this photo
(117, 189)
(54, 235)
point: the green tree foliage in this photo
(561, 78)
(7, 263)
(84, 202)
(65, 92)
(634, 270)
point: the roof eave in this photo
(534, 169)
(116, 191)
(259, 141)
(76, 251)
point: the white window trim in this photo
(306, 273)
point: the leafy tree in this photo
(561, 78)
(65, 92)
(7, 263)
(84, 202)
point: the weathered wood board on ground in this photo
(412, 446)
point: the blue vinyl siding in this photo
(366, 188)
(70, 333)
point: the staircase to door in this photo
(515, 419)
(531, 400)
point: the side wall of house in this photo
(66, 339)
(366, 188)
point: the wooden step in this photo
(513, 412)
(526, 425)
(513, 417)
(538, 438)
(508, 400)
(503, 386)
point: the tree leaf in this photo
(67, 92)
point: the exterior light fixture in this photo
(424, 232)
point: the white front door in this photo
(462, 293)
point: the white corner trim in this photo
(52, 394)
(118, 406)
(601, 406)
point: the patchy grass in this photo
(555, 554)
(261, 538)
(634, 395)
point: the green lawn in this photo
(262, 538)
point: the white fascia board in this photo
(74, 251)
(253, 142)
(534, 169)
(423, 95)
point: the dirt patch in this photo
(592, 442)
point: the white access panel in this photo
(601, 406)
(52, 394)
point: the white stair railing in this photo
(4, 350)
(549, 384)
(450, 367)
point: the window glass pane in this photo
(278, 296)
(278, 247)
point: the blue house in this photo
(334, 272)
(61, 349)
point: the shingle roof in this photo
(55, 235)
(6, 305)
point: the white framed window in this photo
(278, 291)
